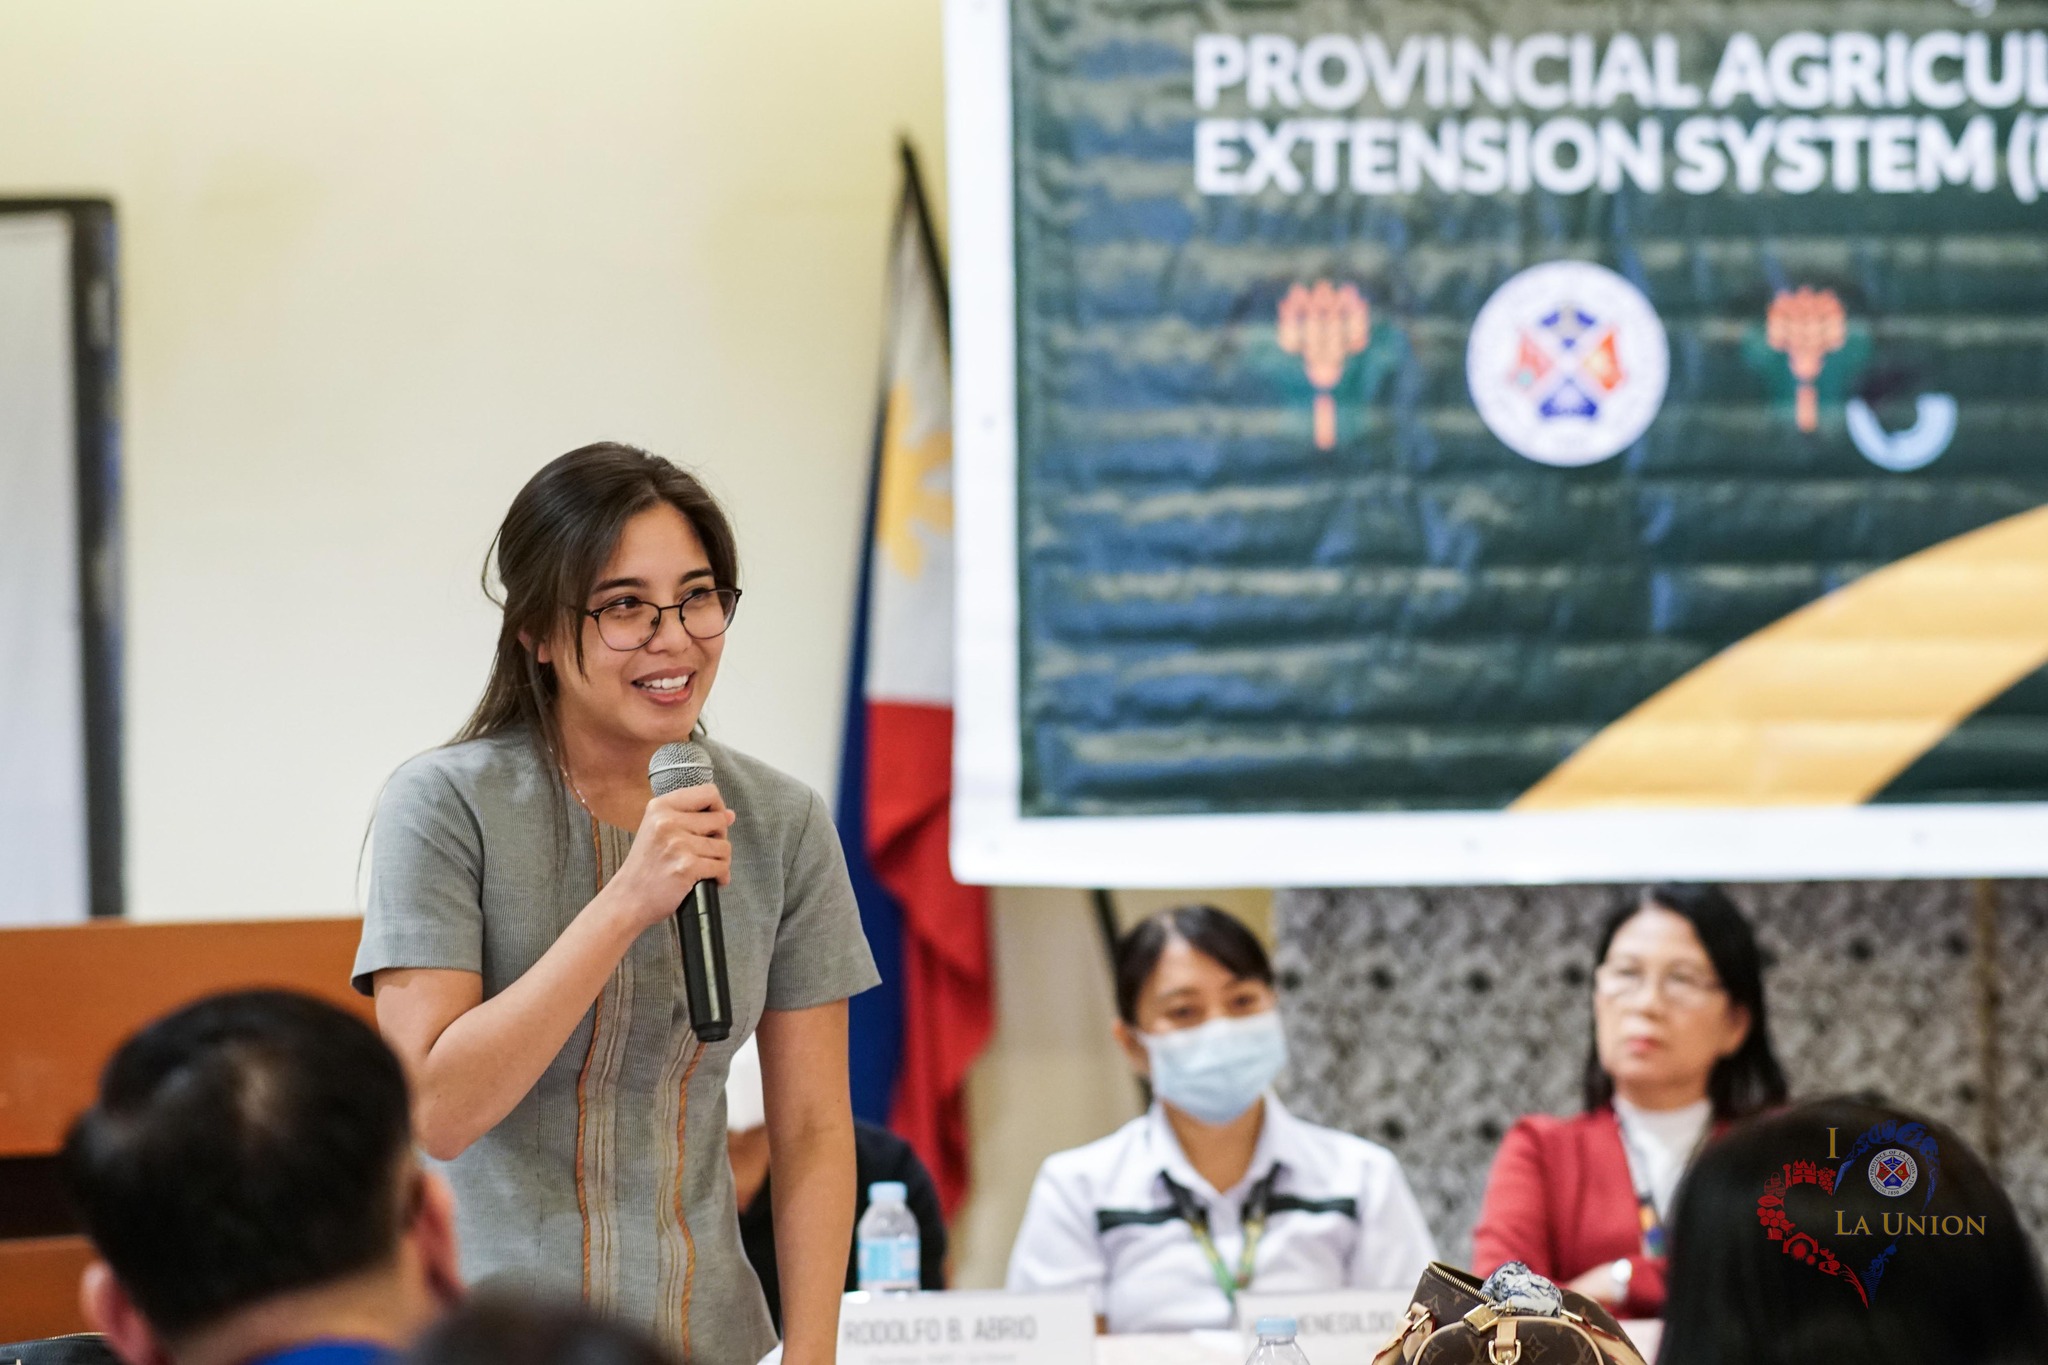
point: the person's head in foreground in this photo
(247, 1179)
(1845, 1231)
(1197, 1015)
(1678, 1007)
(499, 1331)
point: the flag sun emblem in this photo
(1893, 1172)
(1567, 363)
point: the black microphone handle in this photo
(701, 928)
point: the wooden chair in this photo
(73, 994)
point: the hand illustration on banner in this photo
(1808, 325)
(1325, 325)
(1811, 350)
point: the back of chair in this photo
(83, 988)
(80, 1348)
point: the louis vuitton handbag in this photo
(1516, 1317)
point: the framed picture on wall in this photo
(60, 567)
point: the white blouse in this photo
(1102, 1218)
(1660, 1144)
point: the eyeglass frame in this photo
(1660, 986)
(596, 614)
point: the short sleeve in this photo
(821, 955)
(1057, 1247)
(425, 905)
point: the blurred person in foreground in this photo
(494, 1330)
(1217, 1188)
(1681, 1048)
(1843, 1232)
(878, 1154)
(247, 1179)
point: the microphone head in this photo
(675, 766)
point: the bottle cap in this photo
(1274, 1327)
(883, 1191)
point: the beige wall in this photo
(381, 261)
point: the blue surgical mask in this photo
(1219, 1070)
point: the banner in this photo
(1501, 441)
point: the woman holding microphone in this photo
(518, 937)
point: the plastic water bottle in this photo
(887, 1237)
(1276, 1343)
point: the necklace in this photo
(596, 825)
(575, 790)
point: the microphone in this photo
(699, 926)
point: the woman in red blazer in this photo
(1681, 1048)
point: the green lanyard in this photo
(1253, 1216)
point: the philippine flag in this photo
(915, 1037)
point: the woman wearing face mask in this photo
(1216, 1188)
(520, 938)
(1681, 1048)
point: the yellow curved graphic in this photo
(1826, 706)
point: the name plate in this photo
(966, 1328)
(1346, 1327)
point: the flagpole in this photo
(913, 182)
(1105, 921)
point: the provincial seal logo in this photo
(1893, 1172)
(1567, 363)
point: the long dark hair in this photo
(1748, 1079)
(554, 542)
(1737, 1298)
(1213, 933)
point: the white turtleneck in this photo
(1659, 1143)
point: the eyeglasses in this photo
(627, 623)
(1684, 989)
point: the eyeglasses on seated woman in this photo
(1217, 1188)
(1681, 1047)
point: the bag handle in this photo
(1416, 1326)
(1616, 1348)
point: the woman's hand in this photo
(1598, 1285)
(472, 1060)
(681, 841)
